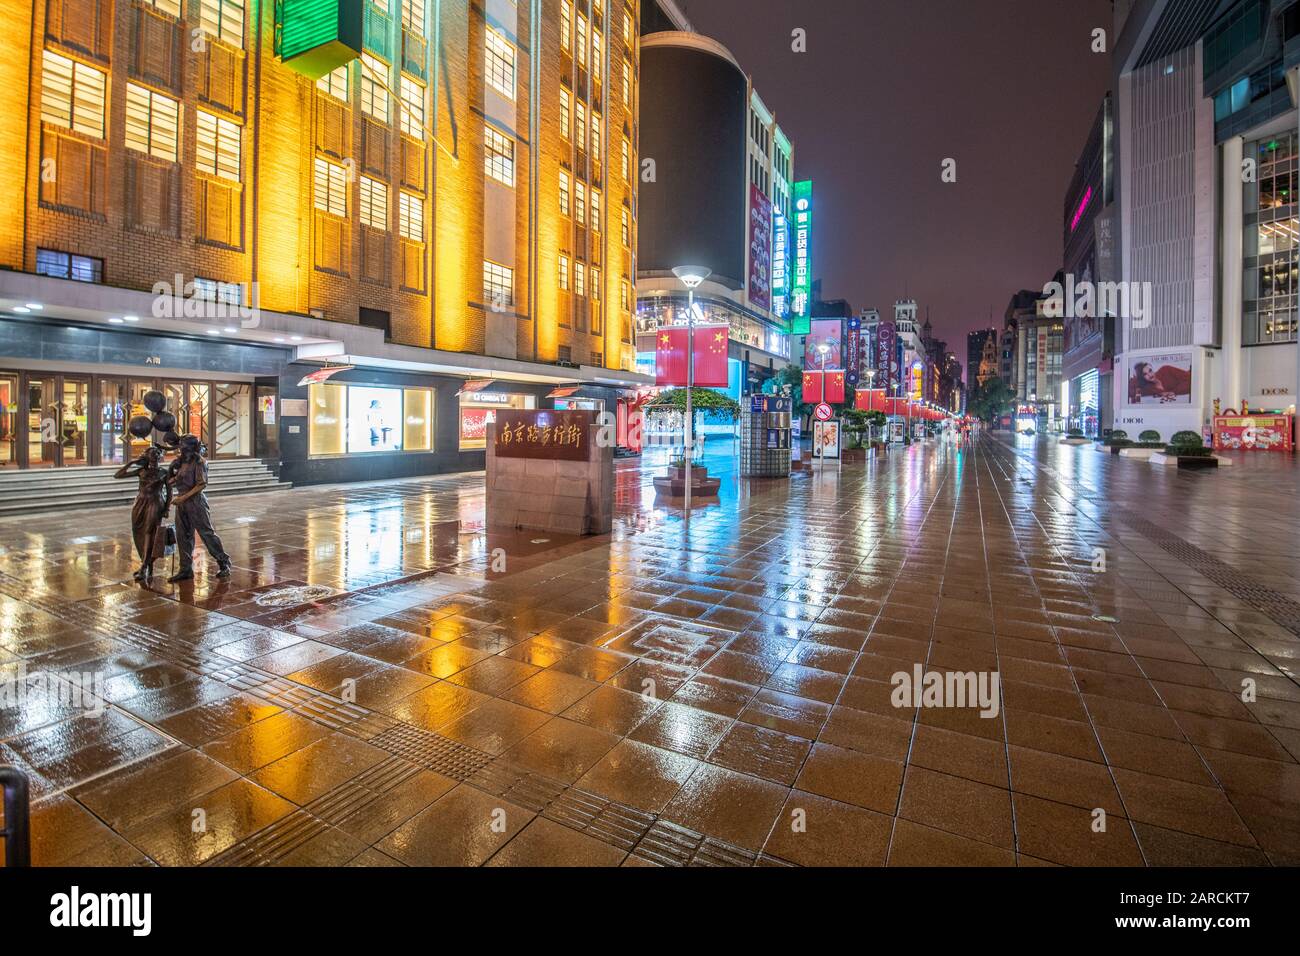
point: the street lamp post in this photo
(691, 277)
(871, 377)
(822, 350)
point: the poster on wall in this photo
(1164, 379)
(474, 422)
(826, 332)
(374, 419)
(760, 248)
(826, 439)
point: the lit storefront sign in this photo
(780, 264)
(801, 289)
(918, 381)
(364, 419)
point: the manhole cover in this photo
(285, 597)
(1105, 619)
(539, 540)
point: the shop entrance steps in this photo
(55, 489)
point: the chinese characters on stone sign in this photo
(543, 433)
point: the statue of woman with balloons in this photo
(153, 499)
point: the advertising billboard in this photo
(853, 350)
(823, 332)
(760, 249)
(1163, 379)
(801, 285)
(886, 357)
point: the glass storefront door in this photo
(233, 420)
(114, 412)
(74, 421)
(42, 422)
(8, 421)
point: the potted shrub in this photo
(1117, 441)
(854, 425)
(1150, 439)
(1188, 450)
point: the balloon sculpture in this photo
(161, 421)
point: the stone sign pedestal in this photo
(550, 474)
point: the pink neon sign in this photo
(1078, 213)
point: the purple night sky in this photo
(890, 88)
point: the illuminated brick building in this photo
(442, 206)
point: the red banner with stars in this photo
(710, 355)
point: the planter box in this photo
(1143, 453)
(1076, 441)
(854, 454)
(1183, 461)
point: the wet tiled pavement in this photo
(373, 687)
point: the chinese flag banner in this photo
(711, 355)
(812, 387)
(834, 386)
(670, 355)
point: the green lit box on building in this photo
(314, 37)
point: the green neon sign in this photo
(801, 283)
(313, 37)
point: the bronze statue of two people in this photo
(180, 485)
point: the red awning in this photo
(564, 391)
(474, 385)
(321, 374)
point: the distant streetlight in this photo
(691, 277)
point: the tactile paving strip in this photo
(412, 748)
(1277, 607)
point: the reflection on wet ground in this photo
(382, 682)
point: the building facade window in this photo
(218, 146)
(580, 125)
(335, 83)
(65, 265)
(580, 201)
(595, 284)
(579, 277)
(566, 112)
(595, 137)
(498, 284)
(625, 216)
(410, 217)
(374, 87)
(72, 95)
(500, 64)
(413, 16)
(412, 108)
(223, 19)
(627, 84)
(499, 156)
(152, 122)
(564, 273)
(597, 54)
(582, 42)
(595, 209)
(374, 203)
(566, 25)
(1271, 244)
(330, 187)
(564, 193)
(627, 160)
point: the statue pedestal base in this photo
(673, 484)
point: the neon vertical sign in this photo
(801, 287)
